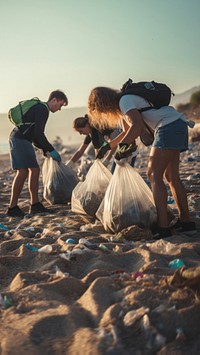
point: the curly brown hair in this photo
(103, 108)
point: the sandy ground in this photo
(122, 298)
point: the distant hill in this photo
(184, 97)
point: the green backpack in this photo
(16, 114)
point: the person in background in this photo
(22, 153)
(109, 107)
(98, 138)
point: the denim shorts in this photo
(173, 136)
(22, 154)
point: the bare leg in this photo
(177, 188)
(17, 185)
(158, 163)
(33, 184)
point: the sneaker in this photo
(15, 212)
(162, 233)
(188, 228)
(38, 208)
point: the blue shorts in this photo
(22, 154)
(173, 136)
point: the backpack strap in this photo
(30, 124)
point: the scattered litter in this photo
(47, 249)
(176, 264)
(31, 247)
(132, 316)
(4, 227)
(71, 241)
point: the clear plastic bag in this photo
(58, 181)
(88, 195)
(128, 201)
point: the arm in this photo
(114, 141)
(133, 130)
(79, 153)
(41, 116)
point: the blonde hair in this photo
(103, 108)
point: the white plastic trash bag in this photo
(58, 181)
(128, 201)
(88, 195)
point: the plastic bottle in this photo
(31, 247)
(45, 249)
(87, 244)
(170, 200)
(30, 229)
(70, 241)
(4, 227)
(7, 302)
(104, 247)
(176, 264)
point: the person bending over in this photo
(108, 107)
(97, 137)
(22, 141)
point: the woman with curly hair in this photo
(108, 107)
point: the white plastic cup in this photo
(45, 249)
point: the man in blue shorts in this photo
(22, 141)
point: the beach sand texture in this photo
(119, 298)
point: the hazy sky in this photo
(75, 45)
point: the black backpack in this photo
(157, 94)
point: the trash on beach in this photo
(30, 229)
(5, 302)
(176, 264)
(47, 249)
(51, 233)
(58, 181)
(170, 200)
(85, 165)
(69, 255)
(153, 339)
(132, 316)
(3, 227)
(88, 195)
(31, 247)
(193, 176)
(87, 243)
(128, 201)
(70, 241)
(103, 247)
(59, 273)
(180, 335)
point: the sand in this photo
(116, 296)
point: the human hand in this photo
(55, 155)
(125, 150)
(103, 150)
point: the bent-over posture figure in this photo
(23, 158)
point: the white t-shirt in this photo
(155, 118)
